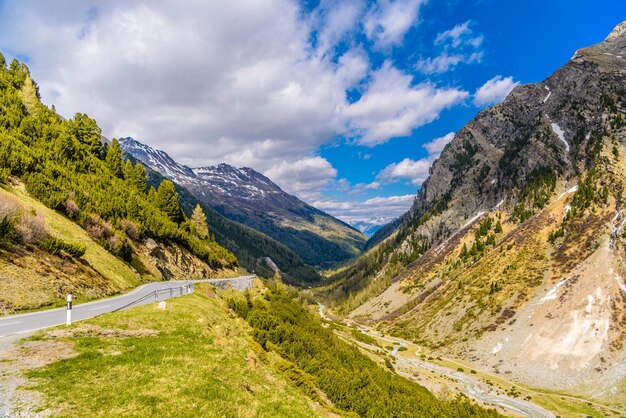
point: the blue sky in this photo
(525, 40)
(338, 102)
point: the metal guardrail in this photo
(185, 289)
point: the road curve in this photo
(30, 322)
(471, 385)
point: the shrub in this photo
(71, 208)
(31, 229)
(56, 245)
(131, 229)
(4, 175)
(18, 226)
(7, 230)
(97, 228)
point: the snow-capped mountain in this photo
(370, 226)
(242, 182)
(158, 161)
(248, 197)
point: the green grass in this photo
(364, 338)
(198, 366)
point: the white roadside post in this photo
(68, 320)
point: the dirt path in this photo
(15, 399)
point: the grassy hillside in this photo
(118, 273)
(197, 358)
(191, 359)
(33, 277)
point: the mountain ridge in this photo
(250, 198)
(516, 238)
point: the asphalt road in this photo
(30, 322)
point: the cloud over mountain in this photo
(243, 84)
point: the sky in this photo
(345, 104)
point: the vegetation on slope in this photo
(247, 244)
(351, 380)
(373, 272)
(191, 359)
(33, 277)
(65, 165)
(317, 238)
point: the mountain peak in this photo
(618, 31)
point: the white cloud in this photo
(239, 83)
(335, 20)
(437, 145)
(416, 171)
(458, 35)
(387, 207)
(388, 21)
(458, 45)
(439, 64)
(494, 91)
(306, 178)
(392, 107)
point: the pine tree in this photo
(198, 219)
(128, 170)
(464, 253)
(167, 201)
(152, 194)
(133, 207)
(498, 228)
(138, 178)
(114, 158)
(87, 131)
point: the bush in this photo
(7, 231)
(364, 338)
(31, 229)
(4, 175)
(131, 229)
(56, 245)
(18, 226)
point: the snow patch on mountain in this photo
(559, 133)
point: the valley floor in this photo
(449, 377)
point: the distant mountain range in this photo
(370, 226)
(248, 197)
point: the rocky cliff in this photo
(513, 253)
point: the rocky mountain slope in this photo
(248, 197)
(513, 253)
